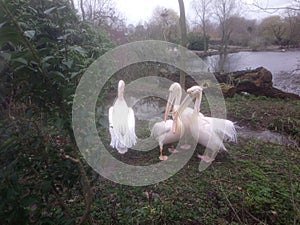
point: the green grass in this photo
(256, 183)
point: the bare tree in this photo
(224, 10)
(164, 24)
(101, 13)
(203, 11)
(293, 27)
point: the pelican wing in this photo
(161, 128)
(224, 128)
(114, 140)
(131, 128)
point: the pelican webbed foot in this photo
(185, 146)
(163, 157)
(172, 150)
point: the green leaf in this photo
(21, 60)
(74, 74)
(79, 49)
(68, 63)
(45, 187)
(57, 73)
(9, 34)
(32, 9)
(5, 56)
(2, 24)
(63, 37)
(45, 59)
(29, 200)
(29, 33)
(29, 113)
(48, 11)
(62, 7)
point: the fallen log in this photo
(257, 82)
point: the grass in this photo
(256, 183)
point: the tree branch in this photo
(275, 9)
(87, 190)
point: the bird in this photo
(121, 123)
(208, 131)
(169, 131)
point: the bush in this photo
(196, 42)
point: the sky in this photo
(136, 11)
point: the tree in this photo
(292, 12)
(164, 25)
(273, 29)
(224, 10)
(104, 15)
(243, 30)
(203, 12)
(292, 21)
(137, 33)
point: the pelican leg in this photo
(161, 156)
(205, 158)
(172, 149)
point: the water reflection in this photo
(149, 108)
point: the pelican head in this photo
(195, 91)
(192, 93)
(174, 98)
(121, 87)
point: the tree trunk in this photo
(82, 10)
(72, 4)
(183, 39)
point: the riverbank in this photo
(236, 49)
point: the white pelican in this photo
(121, 123)
(169, 131)
(208, 131)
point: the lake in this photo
(285, 66)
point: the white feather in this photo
(121, 123)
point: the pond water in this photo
(267, 136)
(285, 66)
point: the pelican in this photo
(208, 131)
(121, 123)
(169, 131)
